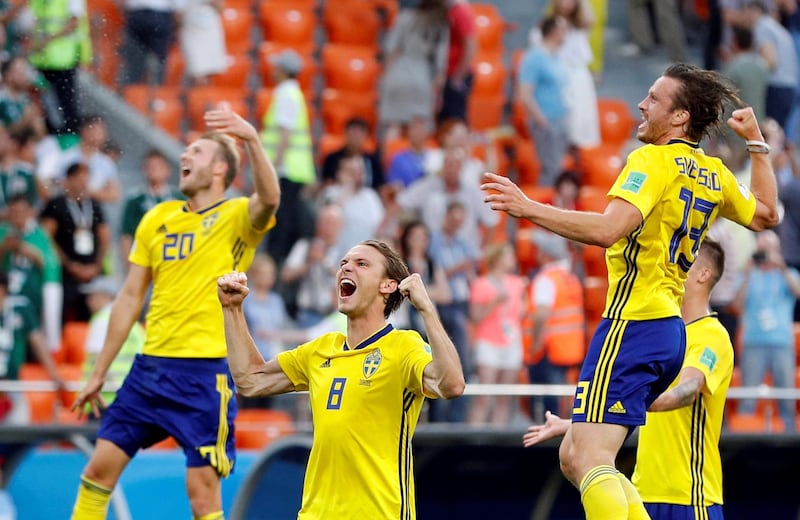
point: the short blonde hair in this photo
(228, 153)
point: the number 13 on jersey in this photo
(696, 234)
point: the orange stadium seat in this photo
(616, 121)
(41, 403)
(338, 106)
(595, 289)
(201, 99)
(307, 75)
(485, 112)
(328, 143)
(349, 67)
(526, 161)
(287, 23)
(73, 342)
(240, 4)
(236, 74)
(601, 165)
(237, 24)
(490, 27)
(519, 118)
(256, 428)
(175, 67)
(70, 373)
(489, 76)
(167, 444)
(162, 105)
(106, 63)
(352, 26)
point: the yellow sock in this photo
(92, 501)
(602, 495)
(636, 509)
(217, 515)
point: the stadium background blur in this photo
(464, 470)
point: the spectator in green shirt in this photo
(31, 262)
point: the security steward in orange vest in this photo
(555, 327)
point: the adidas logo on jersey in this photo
(617, 408)
(325, 364)
(161, 229)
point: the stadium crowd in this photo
(518, 302)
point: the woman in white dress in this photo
(576, 54)
(202, 40)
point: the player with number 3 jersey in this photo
(659, 210)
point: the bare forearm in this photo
(764, 186)
(265, 181)
(124, 312)
(247, 365)
(682, 395)
(446, 369)
(582, 226)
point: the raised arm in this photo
(763, 184)
(692, 381)
(124, 311)
(600, 229)
(253, 376)
(264, 202)
(442, 377)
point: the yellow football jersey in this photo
(678, 460)
(187, 251)
(365, 403)
(679, 191)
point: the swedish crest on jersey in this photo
(371, 363)
(209, 221)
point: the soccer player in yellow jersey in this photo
(678, 470)
(366, 387)
(180, 385)
(659, 211)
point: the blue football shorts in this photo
(628, 364)
(193, 400)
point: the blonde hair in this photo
(228, 153)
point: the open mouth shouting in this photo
(347, 287)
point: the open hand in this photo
(224, 119)
(554, 426)
(90, 395)
(503, 195)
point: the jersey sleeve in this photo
(140, 250)
(739, 203)
(640, 183)
(417, 355)
(294, 364)
(251, 235)
(710, 353)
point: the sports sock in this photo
(217, 515)
(636, 509)
(92, 501)
(602, 494)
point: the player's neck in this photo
(204, 199)
(694, 309)
(362, 327)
